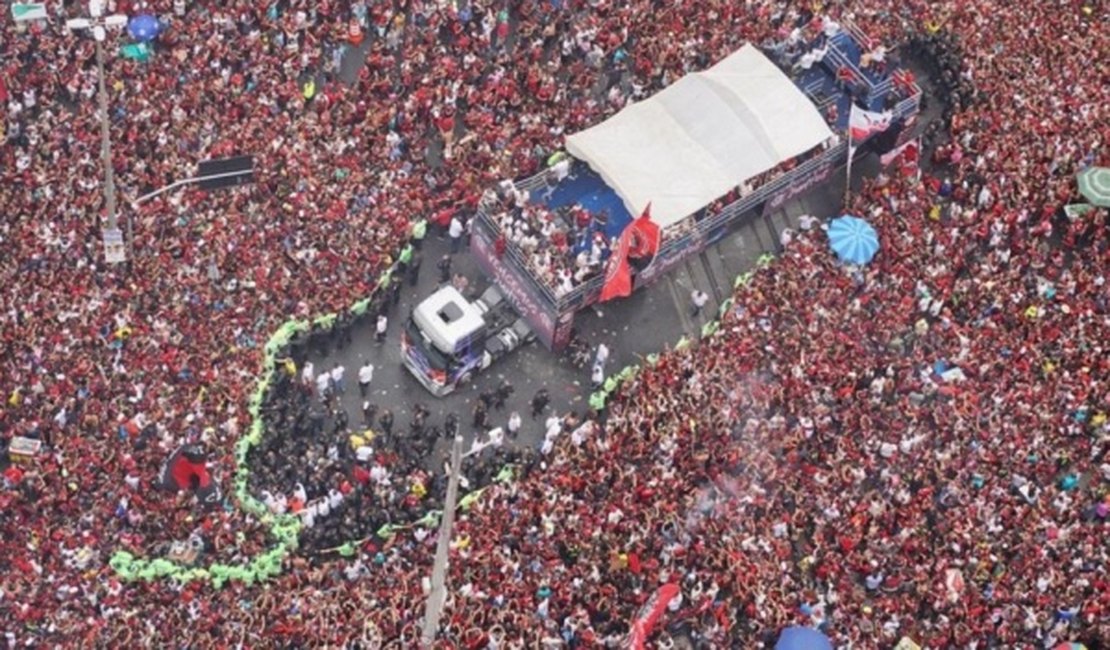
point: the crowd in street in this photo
(917, 448)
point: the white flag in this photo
(862, 124)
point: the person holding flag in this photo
(862, 124)
(640, 241)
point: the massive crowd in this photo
(816, 462)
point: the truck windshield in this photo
(436, 359)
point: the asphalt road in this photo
(644, 323)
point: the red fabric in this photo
(639, 238)
(650, 613)
(618, 275)
(184, 470)
(646, 235)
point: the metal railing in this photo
(514, 257)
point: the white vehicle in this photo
(447, 338)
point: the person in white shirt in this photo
(323, 385)
(513, 426)
(308, 373)
(496, 437)
(602, 355)
(380, 328)
(553, 425)
(561, 169)
(337, 378)
(698, 298)
(455, 232)
(786, 237)
(365, 376)
(597, 376)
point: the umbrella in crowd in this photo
(1070, 645)
(802, 638)
(853, 239)
(1094, 184)
(144, 27)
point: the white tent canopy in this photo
(692, 142)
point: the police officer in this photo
(419, 231)
(413, 272)
(504, 391)
(385, 421)
(451, 425)
(539, 402)
(481, 415)
(368, 412)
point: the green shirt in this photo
(419, 229)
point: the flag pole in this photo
(848, 175)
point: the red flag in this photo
(640, 238)
(650, 613)
(908, 153)
(618, 275)
(645, 235)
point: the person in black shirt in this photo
(539, 402)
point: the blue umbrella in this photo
(803, 638)
(144, 27)
(853, 239)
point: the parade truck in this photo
(709, 153)
(448, 338)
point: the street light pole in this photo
(98, 23)
(437, 598)
(106, 141)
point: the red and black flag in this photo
(639, 241)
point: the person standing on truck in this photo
(444, 266)
(539, 402)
